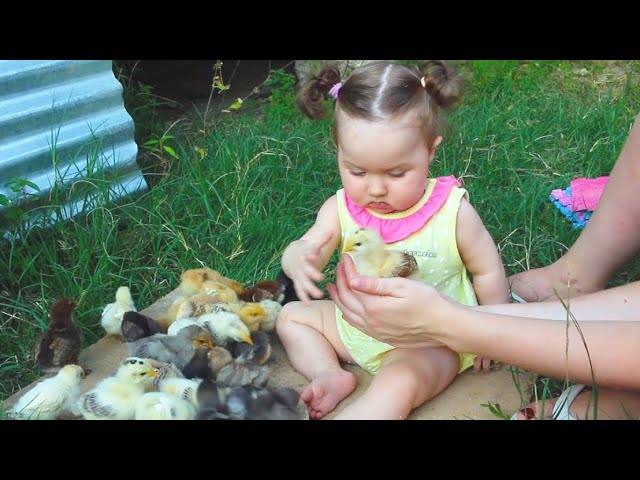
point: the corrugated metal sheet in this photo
(62, 122)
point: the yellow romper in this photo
(435, 249)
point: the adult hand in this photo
(404, 313)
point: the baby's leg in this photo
(407, 378)
(310, 337)
(608, 241)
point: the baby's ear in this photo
(436, 142)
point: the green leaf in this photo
(170, 151)
(148, 143)
(31, 184)
(4, 200)
(236, 105)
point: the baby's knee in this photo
(290, 313)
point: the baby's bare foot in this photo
(326, 391)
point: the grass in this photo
(234, 197)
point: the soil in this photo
(186, 84)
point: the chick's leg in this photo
(311, 340)
(407, 378)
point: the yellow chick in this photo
(225, 327)
(193, 280)
(196, 305)
(49, 397)
(114, 398)
(111, 319)
(272, 309)
(162, 406)
(219, 291)
(252, 314)
(185, 388)
(371, 258)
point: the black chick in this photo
(136, 326)
(289, 290)
(198, 366)
(59, 344)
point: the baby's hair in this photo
(382, 90)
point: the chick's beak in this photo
(247, 338)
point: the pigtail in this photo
(313, 93)
(441, 82)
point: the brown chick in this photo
(59, 344)
(235, 373)
(265, 290)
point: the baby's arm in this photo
(304, 259)
(482, 259)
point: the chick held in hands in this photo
(372, 259)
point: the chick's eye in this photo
(358, 244)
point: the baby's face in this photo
(384, 164)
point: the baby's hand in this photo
(302, 269)
(486, 365)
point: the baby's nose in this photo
(376, 187)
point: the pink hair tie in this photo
(335, 90)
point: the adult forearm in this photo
(552, 347)
(621, 303)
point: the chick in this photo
(194, 306)
(177, 349)
(162, 406)
(50, 397)
(185, 388)
(165, 371)
(370, 257)
(59, 344)
(114, 398)
(218, 357)
(198, 366)
(193, 280)
(180, 323)
(219, 291)
(245, 368)
(251, 314)
(225, 327)
(258, 352)
(265, 290)
(112, 314)
(246, 403)
(272, 309)
(288, 288)
(135, 326)
(238, 374)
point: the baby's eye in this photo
(357, 173)
(397, 174)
